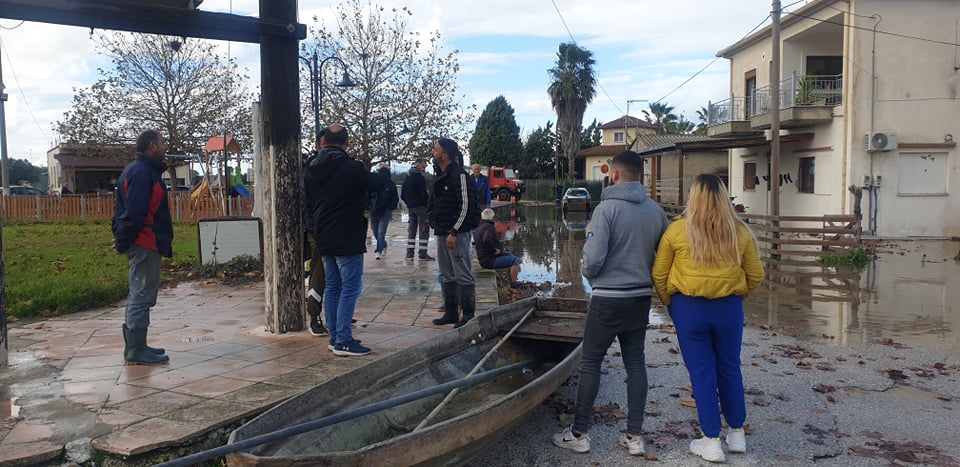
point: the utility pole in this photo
(4, 166)
(774, 183)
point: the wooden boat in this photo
(548, 341)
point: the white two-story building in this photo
(870, 107)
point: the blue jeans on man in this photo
(144, 285)
(344, 276)
(379, 223)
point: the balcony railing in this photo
(800, 91)
(732, 109)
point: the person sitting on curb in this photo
(489, 252)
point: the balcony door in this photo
(749, 87)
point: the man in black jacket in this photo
(335, 191)
(454, 212)
(414, 195)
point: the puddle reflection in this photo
(910, 293)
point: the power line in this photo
(575, 41)
(20, 88)
(714, 60)
(853, 26)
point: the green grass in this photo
(857, 259)
(59, 268)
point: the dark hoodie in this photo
(334, 193)
(414, 190)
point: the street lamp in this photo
(390, 133)
(316, 87)
(629, 101)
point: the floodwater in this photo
(908, 294)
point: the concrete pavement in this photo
(67, 387)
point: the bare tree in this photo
(406, 94)
(184, 89)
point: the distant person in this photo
(414, 195)
(490, 253)
(706, 263)
(382, 204)
(454, 213)
(483, 186)
(335, 191)
(143, 230)
(617, 260)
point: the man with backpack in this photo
(382, 204)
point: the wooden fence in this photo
(799, 238)
(805, 238)
(92, 207)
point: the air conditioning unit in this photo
(881, 141)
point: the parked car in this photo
(19, 190)
(576, 199)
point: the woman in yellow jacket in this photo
(706, 264)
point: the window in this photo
(750, 176)
(618, 137)
(807, 170)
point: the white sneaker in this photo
(377, 256)
(567, 440)
(736, 441)
(708, 448)
(634, 445)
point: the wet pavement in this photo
(881, 343)
(66, 380)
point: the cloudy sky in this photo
(644, 49)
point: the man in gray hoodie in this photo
(617, 259)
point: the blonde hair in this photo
(712, 223)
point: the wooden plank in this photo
(560, 314)
(562, 329)
(811, 241)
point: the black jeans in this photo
(608, 318)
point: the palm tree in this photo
(572, 89)
(703, 117)
(661, 116)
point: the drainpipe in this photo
(873, 100)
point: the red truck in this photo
(504, 184)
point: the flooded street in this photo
(910, 293)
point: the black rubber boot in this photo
(136, 352)
(468, 303)
(156, 350)
(450, 302)
(409, 253)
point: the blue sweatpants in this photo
(710, 332)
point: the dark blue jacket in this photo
(334, 194)
(483, 189)
(414, 190)
(385, 199)
(141, 215)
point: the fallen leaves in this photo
(910, 452)
(890, 342)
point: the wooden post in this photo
(680, 178)
(280, 104)
(656, 177)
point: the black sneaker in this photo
(330, 346)
(425, 257)
(351, 349)
(317, 329)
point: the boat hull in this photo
(485, 414)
